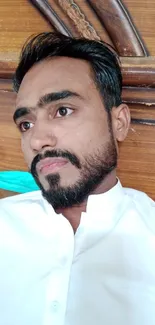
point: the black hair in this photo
(101, 57)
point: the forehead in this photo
(56, 74)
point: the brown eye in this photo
(25, 126)
(64, 111)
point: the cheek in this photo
(26, 152)
(85, 137)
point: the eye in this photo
(25, 126)
(64, 111)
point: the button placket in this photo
(57, 285)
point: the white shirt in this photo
(104, 275)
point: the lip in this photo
(51, 165)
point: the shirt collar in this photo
(102, 214)
(105, 201)
(100, 207)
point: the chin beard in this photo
(67, 197)
(92, 172)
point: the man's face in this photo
(67, 138)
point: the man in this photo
(84, 253)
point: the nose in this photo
(42, 136)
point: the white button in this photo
(55, 306)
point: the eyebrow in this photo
(52, 97)
(20, 112)
(44, 100)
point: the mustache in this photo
(55, 154)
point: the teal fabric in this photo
(17, 181)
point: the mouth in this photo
(51, 165)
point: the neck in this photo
(73, 214)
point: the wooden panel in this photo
(143, 15)
(52, 16)
(138, 71)
(4, 193)
(120, 27)
(22, 13)
(114, 18)
(18, 20)
(137, 163)
(10, 153)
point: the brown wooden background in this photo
(129, 26)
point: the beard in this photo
(93, 170)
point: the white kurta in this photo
(104, 275)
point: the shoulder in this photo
(22, 204)
(143, 205)
(24, 219)
(24, 214)
(26, 197)
(139, 197)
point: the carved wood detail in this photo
(113, 15)
(51, 16)
(78, 18)
(120, 27)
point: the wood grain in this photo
(136, 167)
(10, 154)
(139, 95)
(4, 193)
(138, 71)
(22, 13)
(18, 20)
(51, 16)
(143, 15)
(120, 27)
(82, 24)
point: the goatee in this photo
(93, 170)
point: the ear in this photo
(120, 121)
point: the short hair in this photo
(101, 56)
